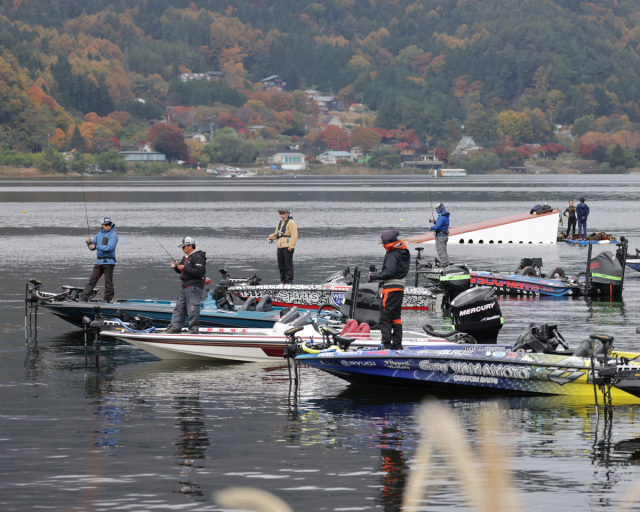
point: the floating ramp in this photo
(523, 228)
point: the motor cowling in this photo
(454, 280)
(368, 304)
(477, 312)
(605, 274)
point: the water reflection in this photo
(393, 464)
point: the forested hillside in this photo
(443, 68)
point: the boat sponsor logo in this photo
(475, 380)
(508, 285)
(338, 298)
(428, 366)
(527, 359)
(512, 355)
(398, 365)
(595, 264)
(361, 364)
(490, 370)
(329, 362)
(478, 309)
(485, 349)
(499, 354)
(564, 375)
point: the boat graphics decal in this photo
(316, 295)
(516, 286)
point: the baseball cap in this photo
(106, 220)
(187, 240)
(284, 210)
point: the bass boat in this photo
(540, 361)
(309, 296)
(634, 262)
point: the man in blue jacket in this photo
(105, 244)
(582, 212)
(441, 227)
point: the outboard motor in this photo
(454, 280)
(605, 275)
(367, 305)
(476, 312)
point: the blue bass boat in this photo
(66, 305)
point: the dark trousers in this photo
(285, 265)
(96, 274)
(188, 304)
(571, 225)
(390, 318)
(582, 229)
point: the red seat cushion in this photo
(350, 326)
(364, 328)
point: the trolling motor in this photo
(540, 340)
(93, 326)
(137, 322)
(238, 281)
(31, 309)
(426, 269)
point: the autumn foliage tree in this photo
(366, 138)
(335, 138)
(168, 139)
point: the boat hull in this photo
(314, 296)
(634, 264)
(160, 313)
(476, 369)
(523, 285)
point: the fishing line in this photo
(430, 200)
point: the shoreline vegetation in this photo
(169, 170)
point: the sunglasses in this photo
(282, 213)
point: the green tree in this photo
(581, 126)
(617, 156)
(228, 148)
(112, 160)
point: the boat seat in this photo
(293, 331)
(364, 328)
(343, 342)
(249, 304)
(265, 304)
(350, 327)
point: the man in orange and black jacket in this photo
(394, 269)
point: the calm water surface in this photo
(137, 433)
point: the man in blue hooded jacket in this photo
(105, 244)
(441, 227)
(582, 212)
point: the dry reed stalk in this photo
(487, 485)
(248, 498)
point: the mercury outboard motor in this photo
(605, 275)
(454, 280)
(367, 305)
(476, 312)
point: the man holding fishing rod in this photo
(441, 227)
(192, 270)
(105, 244)
(286, 235)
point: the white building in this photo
(465, 146)
(289, 161)
(332, 157)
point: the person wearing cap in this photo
(192, 269)
(441, 227)
(104, 243)
(286, 235)
(394, 269)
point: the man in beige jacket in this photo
(286, 235)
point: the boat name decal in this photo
(474, 379)
(480, 369)
(477, 309)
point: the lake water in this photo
(137, 433)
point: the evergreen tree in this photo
(76, 142)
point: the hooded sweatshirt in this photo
(105, 243)
(583, 211)
(397, 260)
(441, 227)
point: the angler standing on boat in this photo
(583, 212)
(286, 235)
(570, 213)
(192, 270)
(441, 227)
(105, 243)
(394, 269)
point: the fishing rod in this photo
(431, 200)
(172, 258)
(86, 214)
(261, 241)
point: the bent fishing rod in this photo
(85, 207)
